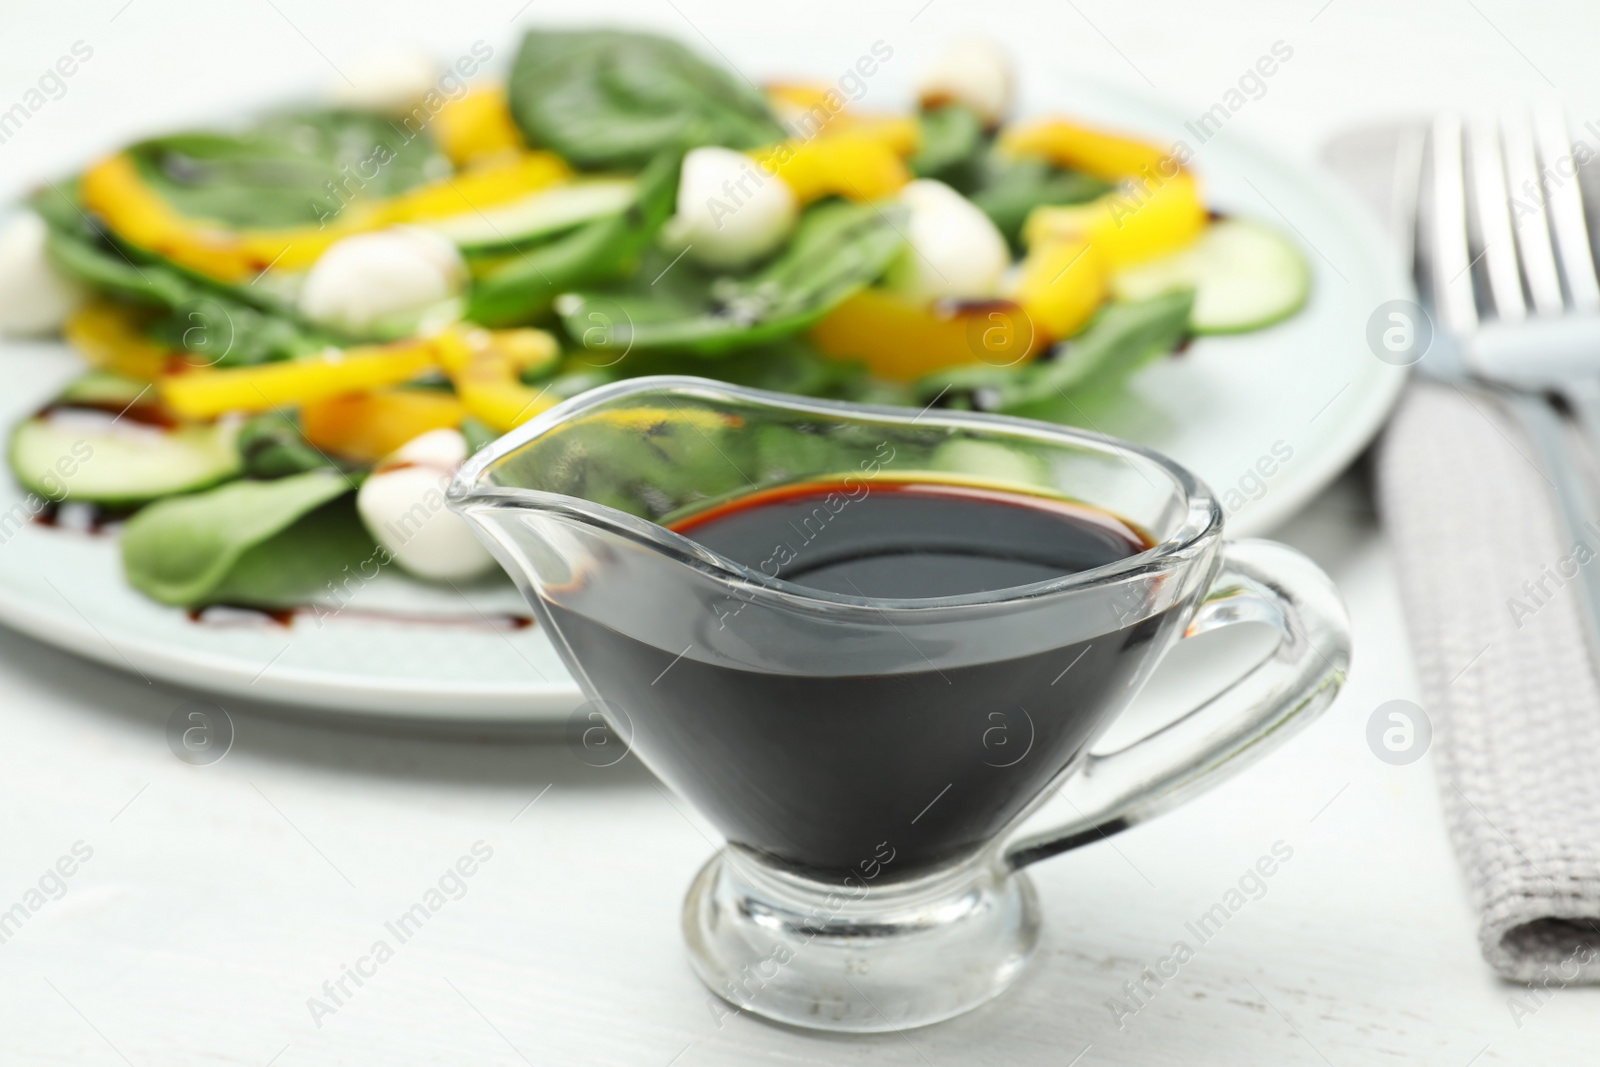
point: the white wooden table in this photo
(218, 900)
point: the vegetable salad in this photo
(296, 328)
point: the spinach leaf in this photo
(1120, 340)
(837, 249)
(293, 567)
(291, 169)
(287, 170)
(272, 446)
(186, 550)
(1009, 188)
(615, 99)
(83, 249)
(645, 465)
(78, 246)
(100, 266)
(221, 332)
(788, 365)
(57, 203)
(1125, 337)
(218, 329)
(200, 316)
(952, 138)
(524, 287)
(477, 433)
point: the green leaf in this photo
(223, 325)
(837, 249)
(83, 248)
(222, 332)
(294, 567)
(644, 468)
(1120, 340)
(952, 138)
(272, 446)
(199, 317)
(523, 288)
(477, 433)
(182, 550)
(1009, 188)
(290, 169)
(57, 203)
(98, 265)
(789, 365)
(615, 99)
(294, 169)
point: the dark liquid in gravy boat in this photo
(824, 773)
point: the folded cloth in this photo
(1492, 607)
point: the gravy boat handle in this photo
(1257, 581)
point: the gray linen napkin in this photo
(1492, 611)
(1506, 675)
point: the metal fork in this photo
(1514, 288)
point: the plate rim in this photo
(498, 702)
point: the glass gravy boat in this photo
(869, 761)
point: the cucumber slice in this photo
(102, 388)
(94, 456)
(1245, 276)
(538, 215)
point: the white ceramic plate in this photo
(1267, 419)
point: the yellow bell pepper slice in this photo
(486, 368)
(207, 393)
(1109, 156)
(1063, 283)
(114, 189)
(856, 167)
(369, 426)
(811, 109)
(108, 337)
(807, 108)
(477, 126)
(495, 182)
(1130, 225)
(901, 339)
(898, 133)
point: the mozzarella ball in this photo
(977, 73)
(35, 297)
(731, 210)
(444, 449)
(376, 278)
(390, 81)
(955, 251)
(402, 504)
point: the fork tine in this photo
(1494, 219)
(1566, 207)
(1450, 260)
(1533, 233)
